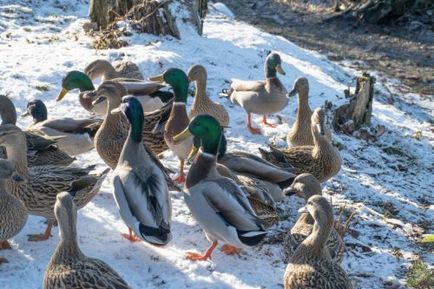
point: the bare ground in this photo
(404, 50)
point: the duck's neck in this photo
(86, 85)
(203, 166)
(200, 97)
(17, 154)
(110, 73)
(68, 248)
(317, 239)
(321, 144)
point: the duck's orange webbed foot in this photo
(252, 129)
(180, 179)
(193, 256)
(264, 121)
(230, 250)
(42, 237)
(130, 236)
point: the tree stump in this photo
(147, 16)
(357, 113)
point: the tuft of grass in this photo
(42, 87)
(419, 276)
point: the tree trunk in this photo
(357, 113)
(148, 16)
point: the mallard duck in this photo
(322, 160)
(68, 266)
(75, 136)
(148, 93)
(141, 190)
(104, 69)
(41, 149)
(217, 203)
(311, 266)
(306, 186)
(202, 103)
(262, 96)
(13, 213)
(45, 182)
(301, 132)
(178, 119)
(111, 137)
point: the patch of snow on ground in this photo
(388, 183)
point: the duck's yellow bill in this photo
(280, 69)
(158, 78)
(192, 153)
(115, 110)
(62, 94)
(185, 134)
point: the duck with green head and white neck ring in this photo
(261, 96)
(178, 119)
(217, 203)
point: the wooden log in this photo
(358, 111)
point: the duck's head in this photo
(273, 64)
(8, 171)
(37, 109)
(301, 86)
(66, 215)
(304, 186)
(11, 135)
(320, 210)
(110, 91)
(197, 73)
(75, 79)
(205, 128)
(177, 79)
(8, 112)
(99, 67)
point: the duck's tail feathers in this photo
(157, 236)
(251, 238)
(226, 93)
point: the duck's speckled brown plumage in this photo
(110, 138)
(13, 213)
(202, 103)
(69, 268)
(306, 186)
(45, 182)
(311, 267)
(322, 160)
(41, 150)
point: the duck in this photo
(69, 267)
(178, 119)
(75, 136)
(43, 183)
(13, 213)
(149, 93)
(217, 203)
(202, 103)
(104, 69)
(305, 186)
(111, 136)
(41, 149)
(311, 266)
(301, 132)
(322, 160)
(261, 96)
(140, 187)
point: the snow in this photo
(40, 41)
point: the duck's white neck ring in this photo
(180, 103)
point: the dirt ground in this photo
(404, 50)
